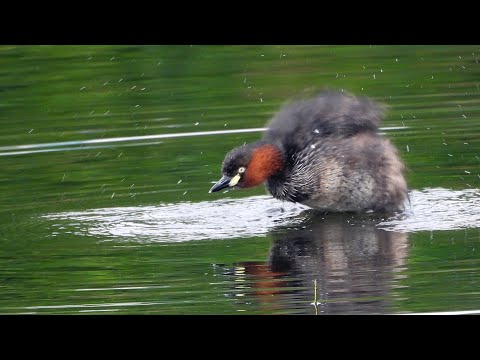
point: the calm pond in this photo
(107, 154)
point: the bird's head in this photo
(249, 165)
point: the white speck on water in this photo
(465, 143)
(112, 58)
(261, 100)
(120, 80)
(244, 80)
(63, 178)
(401, 116)
(459, 57)
(112, 196)
(463, 66)
(408, 85)
(197, 123)
(362, 89)
(449, 154)
(316, 131)
(373, 76)
(363, 67)
(142, 89)
(336, 76)
(179, 181)
(468, 185)
(158, 64)
(122, 180)
(132, 185)
(445, 143)
(432, 77)
(90, 58)
(396, 60)
(82, 88)
(225, 125)
(119, 156)
(312, 146)
(107, 112)
(467, 172)
(185, 192)
(381, 70)
(105, 83)
(464, 116)
(408, 149)
(133, 87)
(137, 105)
(98, 153)
(30, 131)
(262, 55)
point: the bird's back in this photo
(334, 157)
(329, 114)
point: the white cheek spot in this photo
(234, 180)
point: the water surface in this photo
(108, 153)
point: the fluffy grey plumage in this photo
(333, 157)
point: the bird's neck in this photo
(267, 160)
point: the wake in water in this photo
(438, 209)
(430, 210)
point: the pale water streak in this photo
(220, 219)
(438, 209)
(430, 210)
(85, 144)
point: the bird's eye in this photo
(241, 170)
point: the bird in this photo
(324, 152)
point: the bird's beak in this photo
(225, 182)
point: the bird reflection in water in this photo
(343, 261)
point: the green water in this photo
(102, 213)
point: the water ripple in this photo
(430, 210)
(220, 219)
(438, 209)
